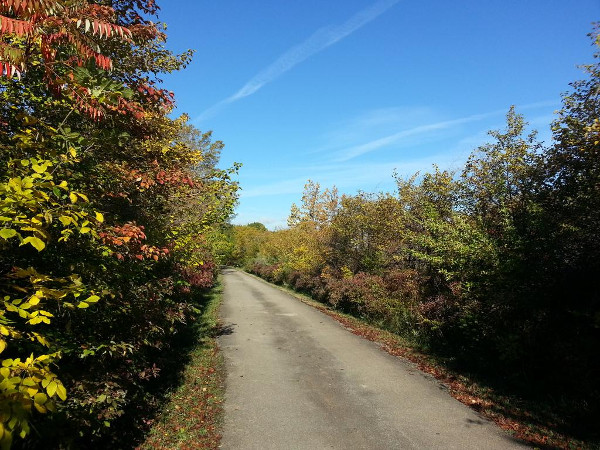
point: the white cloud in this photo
(372, 123)
(409, 116)
(357, 150)
(350, 177)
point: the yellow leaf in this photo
(99, 217)
(51, 388)
(41, 340)
(39, 169)
(92, 299)
(61, 391)
(34, 300)
(73, 152)
(29, 382)
(40, 408)
(32, 391)
(7, 233)
(65, 220)
(73, 197)
(2, 345)
(40, 398)
(37, 243)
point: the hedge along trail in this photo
(103, 201)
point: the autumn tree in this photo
(317, 208)
(365, 233)
(106, 203)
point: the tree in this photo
(106, 204)
(317, 208)
(365, 233)
(572, 173)
(259, 226)
(499, 176)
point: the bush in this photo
(361, 294)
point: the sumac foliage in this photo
(106, 209)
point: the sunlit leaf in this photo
(37, 243)
(7, 233)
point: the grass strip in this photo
(193, 414)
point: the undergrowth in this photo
(191, 415)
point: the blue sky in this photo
(346, 92)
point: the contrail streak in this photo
(318, 41)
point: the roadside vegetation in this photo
(191, 415)
(491, 270)
(107, 207)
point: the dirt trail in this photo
(298, 380)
